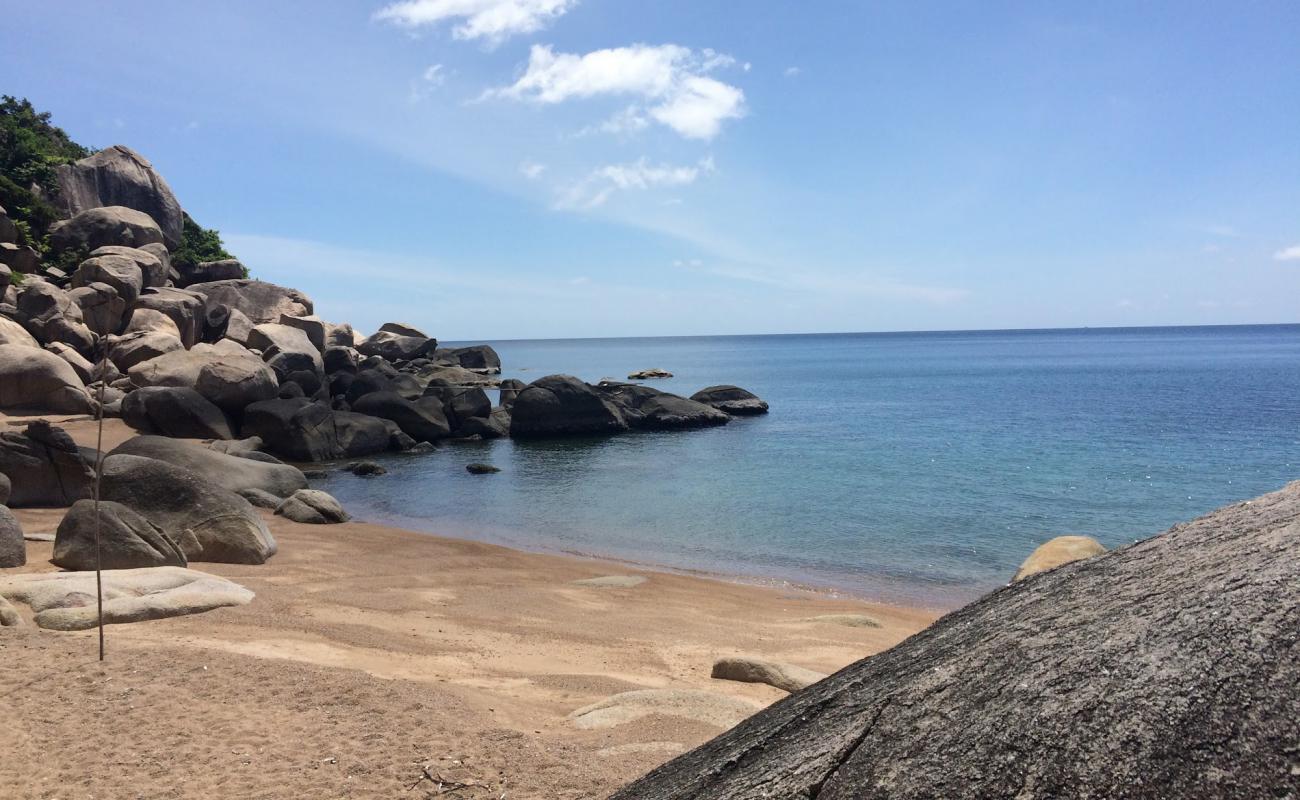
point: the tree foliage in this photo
(30, 148)
(198, 244)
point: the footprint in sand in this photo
(712, 709)
(845, 620)
(612, 581)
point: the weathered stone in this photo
(84, 369)
(37, 380)
(312, 507)
(1058, 551)
(259, 301)
(561, 405)
(147, 320)
(786, 677)
(119, 272)
(49, 314)
(19, 258)
(102, 308)
(152, 259)
(231, 471)
(141, 346)
(225, 526)
(235, 383)
(731, 399)
(183, 307)
(304, 431)
(175, 411)
(44, 466)
(109, 225)
(651, 409)
(287, 340)
(312, 326)
(395, 347)
(119, 176)
(127, 540)
(13, 333)
(13, 548)
(209, 271)
(238, 326)
(423, 420)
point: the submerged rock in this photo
(481, 469)
(562, 405)
(731, 399)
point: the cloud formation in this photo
(594, 190)
(493, 21)
(671, 80)
(1291, 253)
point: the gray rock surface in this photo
(183, 307)
(183, 503)
(44, 467)
(208, 271)
(5, 489)
(731, 399)
(127, 540)
(119, 176)
(102, 308)
(651, 409)
(423, 420)
(39, 380)
(259, 301)
(153, 261)
(312, 507)
(109, 225)
(300, 430)
(233, 472)
(786, 677)
(235, 383)
(1058, 551)
(396, 347)
(562, 405)
(175, 411)
(13, 333)
(1166, 669)
(120, 272)
(65, 601)
(49, 314)
(135, 348)
(13, 548)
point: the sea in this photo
(914, 468)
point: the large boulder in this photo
(140, 346)
(126, 540)
(651, 409)
(80, 365)
(41, 381)
(340, 335)
(102, 308)
(1169, 668)
(396, 347)
(234, 472)
(49, 314)
(19, 258)
(177, 368)
(423, 420)
(183, 307)
(786, 677)
(209, 271)
(731, 399)
(312, 507)
(285, 339)
(311, 325)
(258, 300)
(183, 503)
(110, 225)
(44, 466)
(1058, 551)
(304, 431)
(119, 176)
(479, 357)
(175, 411)
(152, 259)
(510, 389)
(151, 321)
(13, 333)
(13, 547)
(120, 272)
(235, 383)
(238, 326)
(562, 405)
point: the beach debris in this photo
(1059, 551)
(719, 710)
(648, 374)
(613, 581)
(65, 601)
(786, 677)
(481, 469)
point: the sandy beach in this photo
(376, 662)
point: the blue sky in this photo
(493, 169)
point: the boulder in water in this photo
(731, 399)
(562, 405)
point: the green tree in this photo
(30, 148)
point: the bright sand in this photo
(373, 655)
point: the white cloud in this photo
(1288, 253)
(670, 79)
(532, 170)
(792, 72)
(1226, 231)
(626, 122)
(434, 74)
(432, 77)
(594, 190)
(491, 20)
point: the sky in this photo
(497, 169)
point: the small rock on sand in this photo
(719, 710)
(613, 581)
(786, 677)
(847, 620)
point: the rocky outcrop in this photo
(39, 380)
(312, 507)
(208, 271)
(44, 466)
(65, 601)
(301, 430)
(183, 307)
(13, 333)
(102, 308)
(651, 409)
(311, 326)
(1058, 551)
(649, 374)
(119, 272)
(140, 346)
(152, 259)
(233, 472)
(423, 420)
(126, 540)
(234, 384)
(110, 225)
(480, 358)
(562, 405)
(397, 347)
(259, 301)
(175, 411)
(178, 368)
(1169, 668)
(49, 314)
(786, 677)
(182, 503)
(731, 399)
(274, 339)
(510, 389)
(119, 176)
(13, 548)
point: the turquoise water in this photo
(913, 467)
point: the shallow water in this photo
(913, 467)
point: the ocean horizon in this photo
(916, 467)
